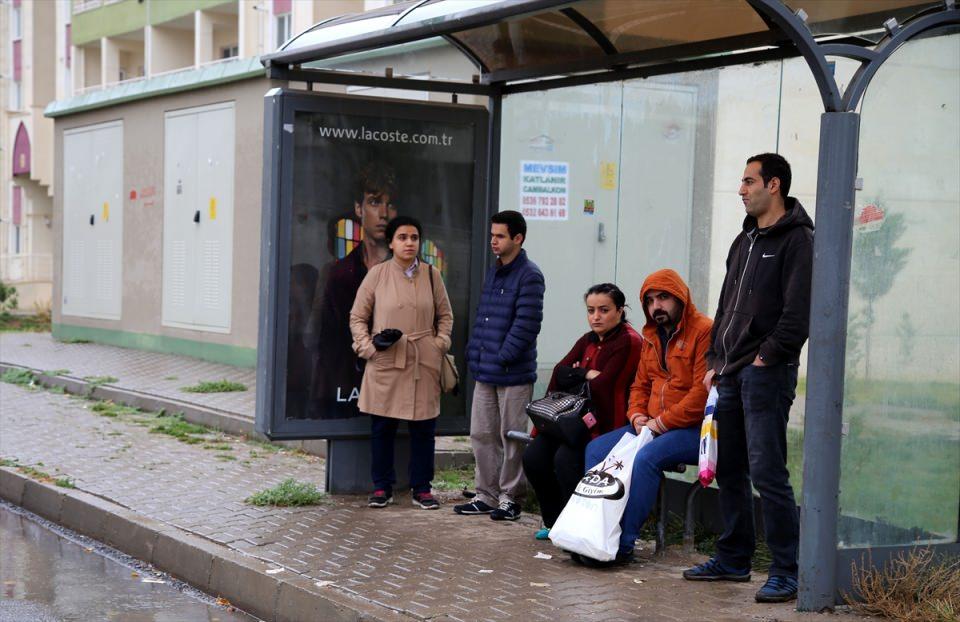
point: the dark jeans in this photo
(665, 451)
(752, 412)
(553, 470)
(383, 432)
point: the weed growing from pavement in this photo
(10, 323)
(915, 586)
(74, 340)
(98, 381)
(56, 372)
(37, 474)
(22, 377)
(170, 378)
(289, 492)
(175, 426)
(225, 457)
(215, 386)
(109, 409)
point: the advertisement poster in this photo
(351, 175)
(543, 190)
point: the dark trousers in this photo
(383, 433)
(553, 469)
(752, 412)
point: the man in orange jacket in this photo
(666, 396)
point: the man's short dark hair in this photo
(516, 223)
(376, 178)
(774, 165)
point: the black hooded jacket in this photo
(765, 300)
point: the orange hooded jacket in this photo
(674, 396)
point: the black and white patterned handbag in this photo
(561, 415)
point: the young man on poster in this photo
(502, 354)
(336, 385)
(761, 324)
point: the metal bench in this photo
(689, 522)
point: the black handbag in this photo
(563, 416)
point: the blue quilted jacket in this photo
(503, 345)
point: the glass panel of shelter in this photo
(826, 17)
(900, 463)
(674, 147)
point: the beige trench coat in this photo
(403, 381)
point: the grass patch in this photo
(9, 462)
(225, 457)
(219, 446)
(170, 378)
(56, 372)
(74, 340)
(454, 479)
(175, 426)
(22, 377)
(10, 323)
(288, 493)
(215, 386)
(64, 482)
(264, 445)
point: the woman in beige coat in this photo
(402, 327)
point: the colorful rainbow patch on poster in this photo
(349, 234)
(432, 254)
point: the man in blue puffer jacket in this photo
(502, 353)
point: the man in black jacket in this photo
(761, 324)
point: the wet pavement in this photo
(53, 577)
(402, 561)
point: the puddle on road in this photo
(45, 577)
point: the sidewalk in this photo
(186, 505)
(154, 380)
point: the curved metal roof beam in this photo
(592, 31)
(795, 28)
(889, 44)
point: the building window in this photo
(282, 30)
(15, 24)
(230, 51)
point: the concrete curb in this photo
(207, 566)
(222, 420)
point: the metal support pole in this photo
(833, 242)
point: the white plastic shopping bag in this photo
(590, 522)
(708, 441)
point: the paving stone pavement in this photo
(426, 565)
(149, 373)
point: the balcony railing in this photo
(79, 6)
(26, 268)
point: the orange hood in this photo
(669, 281)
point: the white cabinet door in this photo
(198, 217)
(93, 221)
(179, 209)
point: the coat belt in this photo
(400, 353)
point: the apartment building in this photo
(158, 134)
(28, 65)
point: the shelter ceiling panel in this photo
(826, 17)
(546, 38)
(651, 24)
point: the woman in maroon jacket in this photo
(607, 358)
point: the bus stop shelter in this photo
(527, 46)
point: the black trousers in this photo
(383, 432)
(553, 470)
(752, 410)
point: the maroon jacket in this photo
(616, 358)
